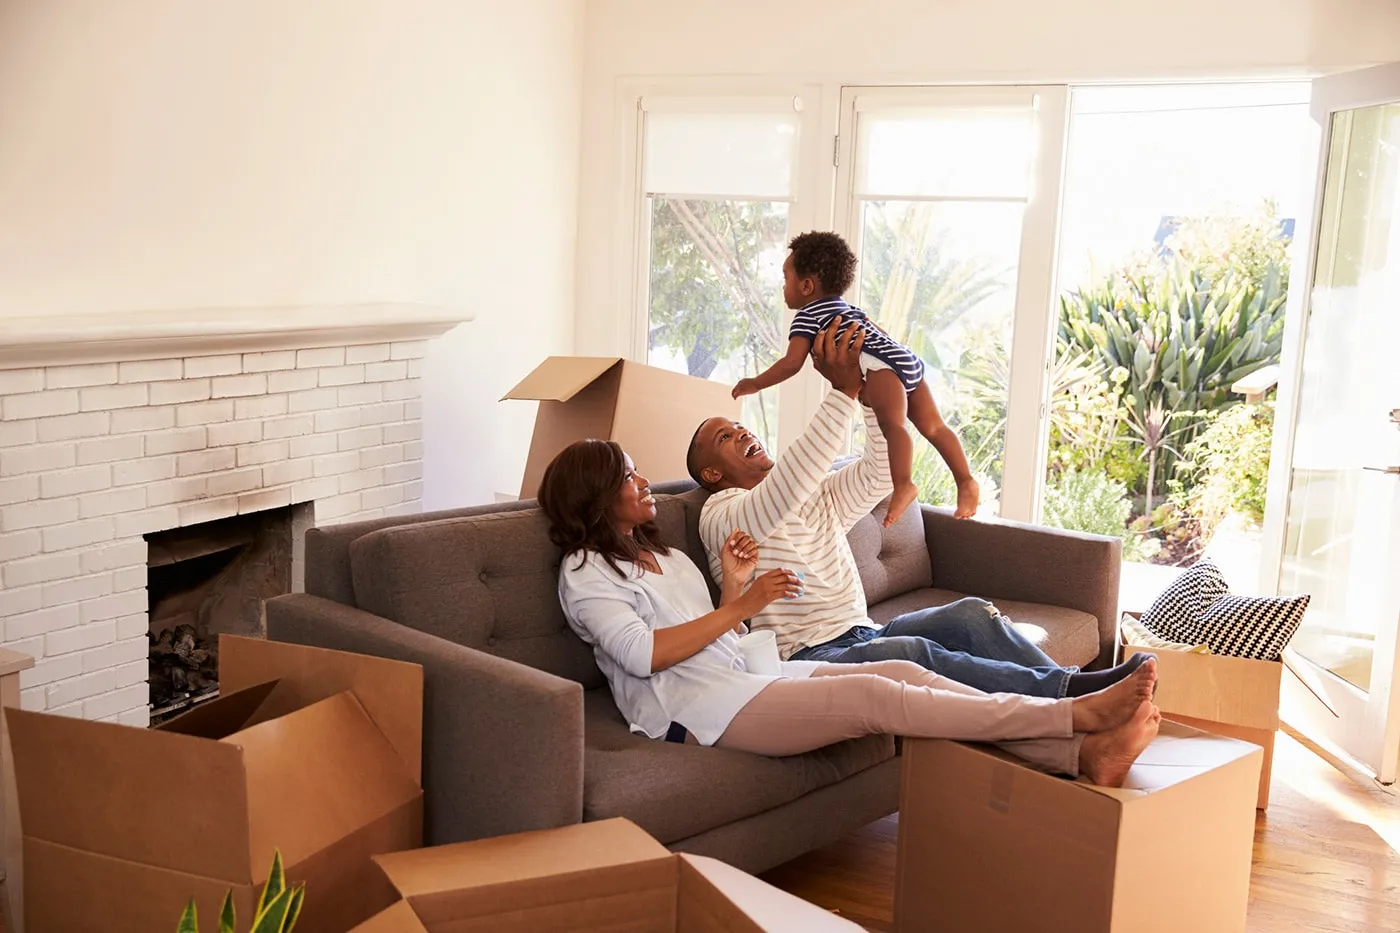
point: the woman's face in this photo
(634, 504)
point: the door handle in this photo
(1390, 470)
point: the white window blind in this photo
(735, 155)
(946, 153)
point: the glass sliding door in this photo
(1336, 516)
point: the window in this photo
(718, 180)
(944, 187)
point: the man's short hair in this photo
(693, 466)
(826, 256)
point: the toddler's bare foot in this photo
(904, 495)
(1109, 708)
(969, 495)
(1105, 757)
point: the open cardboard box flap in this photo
(391, 692)
(650, 411)
(560, 378)
(603, 875)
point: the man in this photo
(799, 512)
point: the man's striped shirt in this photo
(799, 514)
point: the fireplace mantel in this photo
(119, 337)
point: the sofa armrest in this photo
(502, 742)
(1031, 563)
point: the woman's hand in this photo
(739, 558)
(772, 586)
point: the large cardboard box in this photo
(987, 844)
(1237, 697)
(651, 412)
(311, 752)
(595, 877)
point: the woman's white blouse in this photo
(617, 616)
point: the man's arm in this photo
(855, 489)
(798, 474)
(793, 481)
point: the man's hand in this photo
(836, 355)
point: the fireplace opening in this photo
(204, 581)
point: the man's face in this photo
(731, 455)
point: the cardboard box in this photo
(988, 844)
(651, 412)
(602, 876)
(1238, 697)
(312, 752)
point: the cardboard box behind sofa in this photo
(1237, 697)
(987, 844)
(311, 752)
(651, 412)
(606, 876)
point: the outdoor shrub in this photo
(1093, 503)
(1088, 502)
(1226, 469)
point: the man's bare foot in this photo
(904, 496)
(969, 495)
(1105, 757)
(1107, 709)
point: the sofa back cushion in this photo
(892, 561)
(489, 582)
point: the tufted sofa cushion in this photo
(893, 560)
(489, 582)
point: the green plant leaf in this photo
(227, 919)
(294, 911)
(276, 884)
(189, 920)
(274, 915)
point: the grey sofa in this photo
(520, 729)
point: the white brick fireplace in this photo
(110, 430)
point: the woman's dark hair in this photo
(577, 494)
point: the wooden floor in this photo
(1326, 857)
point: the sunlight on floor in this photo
(1349, 796)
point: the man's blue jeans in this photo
(968, 641)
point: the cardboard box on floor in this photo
(651, 412)
(1237, 697)
(987, 844)
(311, 752)
(602, 876)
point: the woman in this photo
(674, 665)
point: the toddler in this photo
(820, 268)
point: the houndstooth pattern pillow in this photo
(1198, 609)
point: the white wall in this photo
(159, 154)
(838, 42)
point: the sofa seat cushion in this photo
(675, 791)
(1069, 636)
